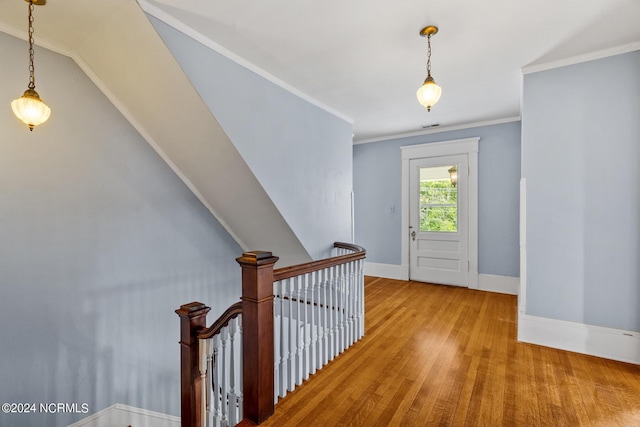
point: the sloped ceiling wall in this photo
(123, 55)
(101, 242)
(301, 154)
(156, 93)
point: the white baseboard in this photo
(501, 284)
(615, 344)
(123, 415)
(486, 282)
(388, 271)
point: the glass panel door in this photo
(438, 220)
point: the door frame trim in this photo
(468, 146)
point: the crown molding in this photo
(172, 21)
(439, 129)
(38, 41)
(577, 59)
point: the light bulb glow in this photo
(429, 93)
(30, 109)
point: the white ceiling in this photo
(364, 59)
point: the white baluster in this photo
(306, 328)
(338, 309)
(204, 360)
(326, 317)
(298, 323)
(314, 324)
(341, 306)
(291, 349)
(276, 341)
(332, 313)
(347, 305)
(224, 337)
(351, 296)
(215, 369)
(361, 297)
(356, 300)
(283, 360)
(321, 319)
(240, 374)
(232, 401)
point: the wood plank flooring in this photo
(436, 355)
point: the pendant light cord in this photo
(429, 55)
(32, 79)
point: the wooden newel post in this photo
(257, 334)
(193, 316)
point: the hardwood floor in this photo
(443, 356)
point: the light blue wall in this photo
(580, 156)
(100, 243)
(300, 153)
(377, 188)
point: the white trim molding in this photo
(387, 271)
(609, 343)
(522, 295)
(591, 56)
(486, 282)
(123, 415)
(39, 41)
(500, 284)
(180, 26)
(468, 146)
(438, 129)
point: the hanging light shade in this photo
(29, 107)
(429, 93)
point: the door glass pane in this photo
(439, 199)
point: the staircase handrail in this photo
(256, 309)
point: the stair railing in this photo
(319, 312)
(290, 322)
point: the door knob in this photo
(413, 235)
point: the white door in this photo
(439, 220)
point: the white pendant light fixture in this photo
(29, 107)
(429, 93)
